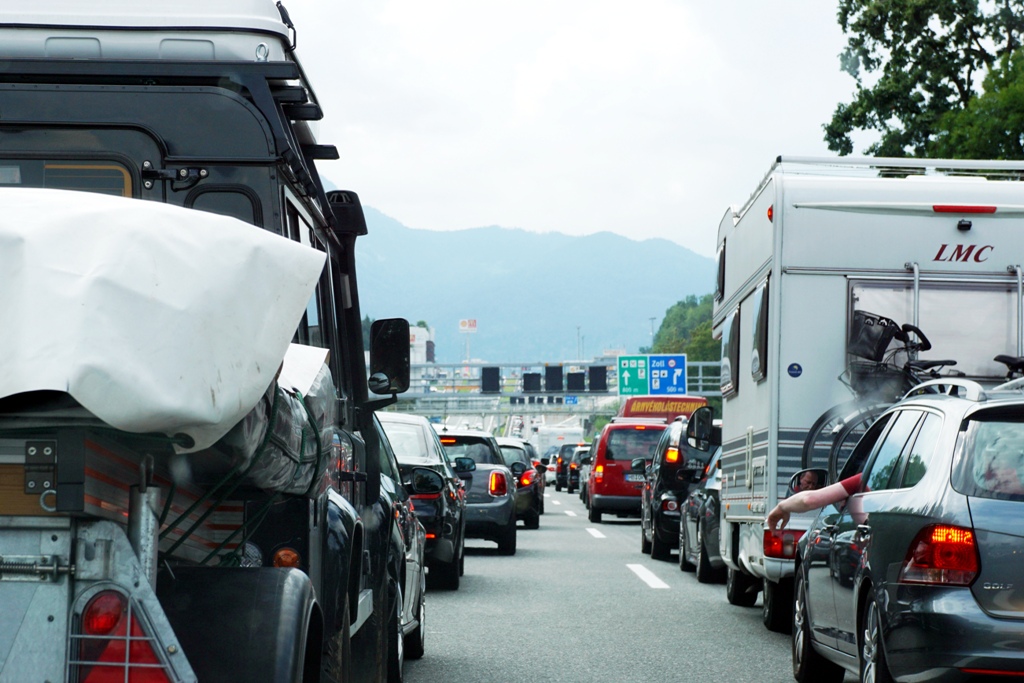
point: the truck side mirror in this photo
(389, 356)
(701, 432)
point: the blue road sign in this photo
(667, 374)
(572, 400)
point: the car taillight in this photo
(113, 646)
(572, 466)
(669, 505)
(526, 478)
(672, 455)
(498, 485)
(941, 554)
(781, 543)
(426, 496)
(599, 473)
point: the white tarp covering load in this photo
(155, 318)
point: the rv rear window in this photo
(759, 358)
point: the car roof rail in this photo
(951, 386)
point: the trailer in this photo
(821, 246)
(193, 485)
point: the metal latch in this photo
(40, 466)
(33, 567)
(181, 179)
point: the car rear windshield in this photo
(630, 442)
(410, 444)
(475, 447)
(514, 454)
(991, 462)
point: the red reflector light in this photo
(941, 554)
(103, 613)
(771, 213)
(672, 455)
(497, 486)
(781, 543)
(287, 557)
(669, 505)
(958, 208)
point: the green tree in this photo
(686, 324)
(924, 58)
(991, 126)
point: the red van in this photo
(612, 485)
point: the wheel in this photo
(507, 542)
(739, 589)
(445, 575)
(684, 564)
(818, 441)
(808, 664)
(594, 515)
(873, 667)
(339, 652)
(645, 545)
(415, 641)
(396, 640)
(532, 519)
(706, 573)
(558, 487)
(659, 549)
(462, 554)
(777, 606)
(570, 489)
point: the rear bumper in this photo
(937, 634)
(623, 504)
(488, 520)
(666, 527)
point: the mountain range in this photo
(536, 297)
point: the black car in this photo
(443, 514)
(699, 527)
(561, 463)
(674, 470)
(917, 575)
(529, 480)
(572, 481)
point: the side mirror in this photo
(425, 482)
(545, 461)
(389, 356)
(541, 468)
(585, 460)
(638, 465)
(701, 432)
(463, 465)
(808, 480)
(518, 468)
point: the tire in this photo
(659, 549)
(777, 606)
(507, 542)
(738, 589)
(532, 519)
(808, 664)
(873, 666)
(416, 640)
(570, 489)
(594, 515)
(445, 575)
(684, 564)
(645, 545)
(558, 487)
(339, 656)
(396, 640)
(706, 573)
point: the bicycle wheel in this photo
(818, 442)
(848, 433)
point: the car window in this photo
(476, 448)
(882, 471)
(388, 463)
(991, 460)
(409, 441)
(859, 455)
(922, 451)
(627, 444)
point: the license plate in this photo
(634, 477)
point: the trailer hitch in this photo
(23, 567)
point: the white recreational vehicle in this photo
(820, 248)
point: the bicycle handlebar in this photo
(925, 345)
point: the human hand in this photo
(777, 518)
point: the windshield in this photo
(514, 454)
(477, 448)
(991, 464)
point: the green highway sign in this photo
(633, 380)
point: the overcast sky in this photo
(647, 118)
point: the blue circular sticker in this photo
(795, 370)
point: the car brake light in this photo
(426, 496)
(669, 505)
(497, 485)
(599, 472)
(959, 208)
(672, 455)
(941, 554)
(527, 477)
(447, 441)
(640, 427)
(781, 543)
(572, 466)
(115, 649)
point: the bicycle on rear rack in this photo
(876, 379)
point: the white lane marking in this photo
(647, 576)
(557, 502)
(547, 495)
(595, 533)
(570, 513)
